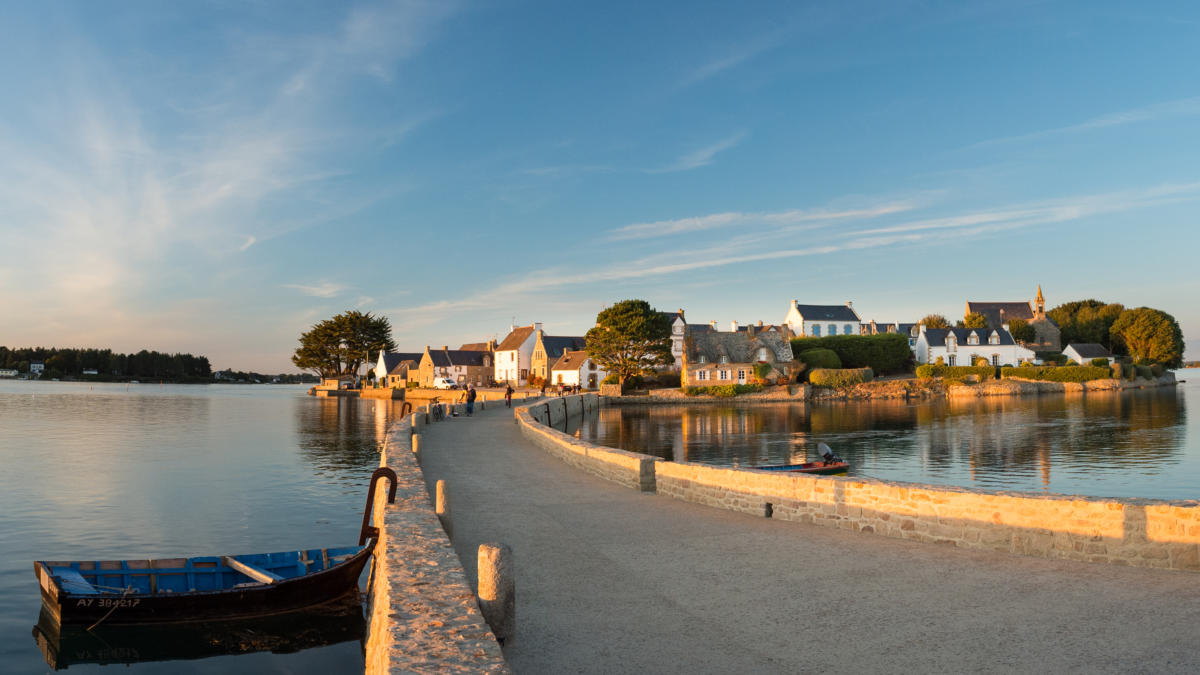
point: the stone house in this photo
(548, 348)
(1048, 336)
(680, 329)
(821, 320)
(961, 346)
(514, 354)
(393, 369)
(717, 357)
(464, 366)
(576, 367)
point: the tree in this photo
(1088, 321)
(630, 338)
(338, 346)
(1022, 331)
(935, 321)
(974, 320)
(1150, 335)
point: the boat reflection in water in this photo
(333, 623)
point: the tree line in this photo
(71, 362)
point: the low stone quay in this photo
(615, 575)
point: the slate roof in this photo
(515, 339)
(739, 347)
(936, 337)
(456, 357)
(827, 313)
(555, 345)
(700, 328)
(572, 360)
(393, 359)
(1089, 350)
(999, 313)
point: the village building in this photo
(680, 329)
(338, 382)
(464, 366)
(1048, 336)
(1083, 352)
(8, 372)
(822, 320)
(910, 330)
(577, 368)
(962, 346)
(716, 357)
(514, 354)
(395, 369)
(547, 349)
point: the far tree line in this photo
(71, 362)
(1142, 333)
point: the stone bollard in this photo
(497, 599)
(441, 506)
(416, 447)
(416, 422)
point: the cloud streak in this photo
(663, 228)
(1185, 107)
(703, 156)
(324, 289)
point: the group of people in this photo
(469, 394)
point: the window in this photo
(560, 378)
(724, 374)
(951, 342)
(741, 375)
(995, 359)
(994, 338)
(832, 329)
(848, 330)
(951, 359)
(816, 330)
(972, 339)
(702, 375)
(678, 329)
(701, 359)
(762, 353)
(724, 358)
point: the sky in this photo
(215, 178)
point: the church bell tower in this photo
(1040, 302)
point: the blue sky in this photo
(216, 177)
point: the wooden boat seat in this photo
(73, 582)
(258, 574)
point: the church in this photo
(1000, 314)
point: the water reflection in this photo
(340, 436)
(1131, 443)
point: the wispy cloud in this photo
(702, 157)
(324, 289)
(662, 228)
(250, 241)
(1185, 107)
(731, 59)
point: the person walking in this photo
(508, 392)
(470, 400)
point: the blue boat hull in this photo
(119, 592)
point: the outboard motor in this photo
(826, 454)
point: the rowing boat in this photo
(819, 468)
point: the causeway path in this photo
(611, 580)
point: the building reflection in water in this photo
(1131, 443)
(341, 437)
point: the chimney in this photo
(733, 326)
(850, 304)
(750, 330)
(922, 327)
(537, 325)
(445, 348)
(712, 324)
(760, 323)
(1005, 326)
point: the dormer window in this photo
(951, 342)
(972, 339)
(724, 358)
(701, 359)
(994, 338)
(762, 353)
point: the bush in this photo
(1052, 357)
(884, 353)
(1157, 369)
(956, 373)
(981, 361)
(820, 358)
(667, 379)
(1100, 362)
(1118, 370)
(840, 377)
(612, 378)
(722, 390)
(412, 384)
(1057, 373)
(1145, 372)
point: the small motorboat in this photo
(827, 465)
(206, 588)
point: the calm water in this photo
(1130, 444)
(99, 471)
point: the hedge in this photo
(884, 353)
(722, 390)
(1100, 362)
(1057, 373)
(840, 377)
(1145, 372)
(956, 372)
(820, 358)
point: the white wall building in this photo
(961, 346)
(514, 355)
(576, 367)
(822, 320)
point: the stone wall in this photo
(422, 614)
(627, 468)
(1138, 532)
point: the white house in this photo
(821, 320)
(961, 346)
(8, 372)
(37, 367)
(1083, 352)
(514, 355)
(576, 367)
(392, 367)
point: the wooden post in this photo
(416, 447)
(441, 506)
(497, 598)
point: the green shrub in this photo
(412, 384)
(840, 377)
(820, 358)
(761, 370)
(722, 390)
(956, 372)
(981, 361)
(1100, 362)
(1157, 369)
(1118, 370)
(667, 379)
(884, 353)
(1144, 372)
(1052, 357)
(611, 378)
(1057, 373)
